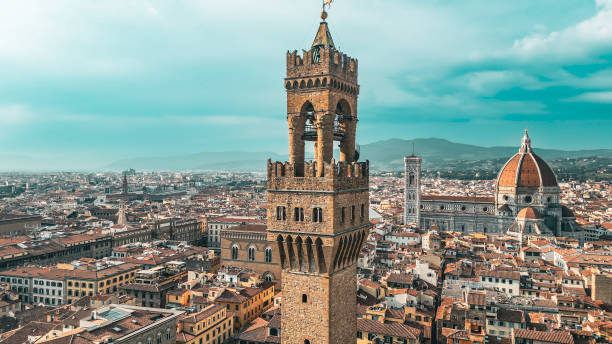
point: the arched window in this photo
(159, 338)
(251, 253)
(304, 298)
(306, 341)
(235, 252)
(317, 214)
(168, 334)
(411, 178)
(268, 255)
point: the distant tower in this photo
(121, 220)
(412, 189)
(125, 184)
(318, 210)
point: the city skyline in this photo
(91, 84)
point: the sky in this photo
(84, 82)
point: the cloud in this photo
(593, 97)
(14, 114)
(577, 42)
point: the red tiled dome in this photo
(528, 213)
(526, 169)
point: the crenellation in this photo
(331, 63)
(337, 175)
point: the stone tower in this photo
(318, 210)
(124, 186)
(412, 189)
(121, 218)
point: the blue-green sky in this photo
(86, 82)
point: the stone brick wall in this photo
(328, 315)
(343, 308)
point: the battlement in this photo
(320, 61)
(337, 175)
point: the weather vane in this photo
(326, 3)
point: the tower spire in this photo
(323, 37)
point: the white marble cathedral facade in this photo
(526, 200)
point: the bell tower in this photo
(318, 210)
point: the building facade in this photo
(317, 210)
(211, 325)
(248, 247)
(188, 229)
(81, 283)
(216, 225)
(19, 225)
(49, 288)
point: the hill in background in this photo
(449, 159)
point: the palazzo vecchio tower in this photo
(318, 209)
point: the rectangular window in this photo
(342, 214)
(298, 214)
(362, 211)
(352, 214)
(317, 215)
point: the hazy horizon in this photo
(88, 83)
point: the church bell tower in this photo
(318, 209)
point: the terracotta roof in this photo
(526, 170)
(255, 331)
(528, 213)
(203, 314)
(501, 274)
(32, 329)
(551, 337)
(477, 298)
(402, 278)
(391, 329)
